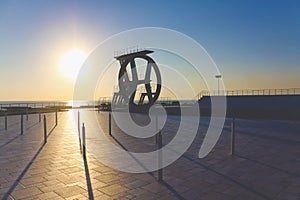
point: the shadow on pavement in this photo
(88, 180)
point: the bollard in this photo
(83, 142)
(45, 130)
(160, 169)
(232, 137)
(5, 121)
(78, 122)
(21, 124)
(109, 123)
(55, 118)
(39, 117)
(79, 129)
(156, 129)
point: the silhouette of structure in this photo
(130, 80)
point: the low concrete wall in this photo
(270, 107)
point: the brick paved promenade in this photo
(266, 164)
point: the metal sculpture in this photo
(129, 81)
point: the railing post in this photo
(232, 149)
(39, 117)
(83, 142)
(5, 121)
(22, 124)
(45, 130)
(109, 123)
(160, 169)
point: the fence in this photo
(22, 105)
(287, 91)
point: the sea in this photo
(38, 104)
(73, 103)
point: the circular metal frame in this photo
(128, 87)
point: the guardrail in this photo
(249, 92)
(28, 105)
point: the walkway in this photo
(266, 165)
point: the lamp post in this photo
(218, 77)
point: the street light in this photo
(218, 77)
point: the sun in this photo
(71, 62)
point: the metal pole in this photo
(156, 128)
(160, 169)
(27, 113)
(109, 123)
(21, 124)
(5, 120)
(218, 86)
(45, 130)
(56, 117)
(83, 141)
(218, 77)
(39, 117)
(232, 137)
(78, 119)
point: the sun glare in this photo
(71, 62)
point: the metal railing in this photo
(6, 105)
(128, 50)
(108, 100)
(252, 92)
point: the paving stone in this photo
(136, 184)
(26, 192)
(33, 180)
(52, 187)
(48, 195)
(69, 191)
(154, 187)
(108, 178)
(77, 197)
(113, 189)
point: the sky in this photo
(255, 44)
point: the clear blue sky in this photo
(256, 44)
